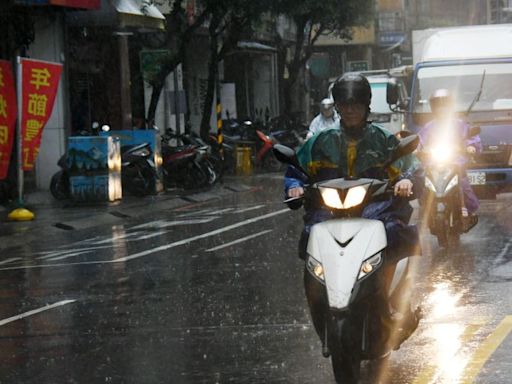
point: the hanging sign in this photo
(7, 115)
(40, 81)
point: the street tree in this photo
(231, 21)
(180, 27)
(313, 19)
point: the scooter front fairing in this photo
(346, 251)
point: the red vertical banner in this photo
(40, 81)
(7, 115)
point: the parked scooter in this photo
(443, 198)
(186, 162)
(344, 275)
(265, 156)
(138, 170)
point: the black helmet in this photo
(352, 88)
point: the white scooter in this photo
(344, 277)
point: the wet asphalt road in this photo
(212, 293)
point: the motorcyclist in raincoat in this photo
(328, 118)
(446, 126)
(357, 148)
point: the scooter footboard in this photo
(341, 246)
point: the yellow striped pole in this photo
(220, 137)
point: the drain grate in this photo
(63, 226)
(119, 214)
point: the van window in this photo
(379, 103)
(465, 81)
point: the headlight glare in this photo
(370, 265)
(331, 198)
(441, 153)
(355, 196)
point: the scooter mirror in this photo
(392, 92)
(285, 154)
(405, 147)
(105, 128)
(288, 156)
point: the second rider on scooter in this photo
(443, 135)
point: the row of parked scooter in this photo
(187, 160)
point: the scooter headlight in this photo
(442, 153)
(453, 182)
(430, 185)
(331, 198)
(316, 268)
(355, 196)
(369, 265)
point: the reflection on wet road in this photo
(213, 294)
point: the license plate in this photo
(476, 178)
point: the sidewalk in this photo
(52, 216)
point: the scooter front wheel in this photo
(346, 367)
(59, 186)
(345, 356)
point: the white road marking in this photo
(242, 210)
(199, 237)
(219, 211)
(202, 212)
(160, 248)
(7, 261)
(167, 223)
(35, 311)
(68, 251)
(239, 240)
(69, 255)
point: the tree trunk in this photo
(155, 97)
(212, 71)
(294, 67)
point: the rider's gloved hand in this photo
(296, 192)
(403, 188)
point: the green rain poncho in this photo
(330, 150)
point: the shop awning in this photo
(78, 4)
(121, 14)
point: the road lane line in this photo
(199, 237)
(239, 240)
(57, 258)
(485, 351)
(157, 249)
(428, 374)
(35, 311)
(242, 210)
(7, 261)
